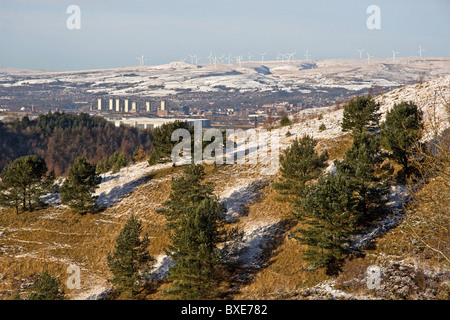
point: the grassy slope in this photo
(53, 238)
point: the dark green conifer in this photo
(24, 181)
(46, 287)
(328, 215)
(300, 163)
(129, 257)
(401, 131)
(361, 113)
(195, 224)
(79, 186)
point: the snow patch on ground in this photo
(117, 185)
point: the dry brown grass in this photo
(283, 273)
(335, 147)
(53, 238)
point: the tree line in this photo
(59, 138)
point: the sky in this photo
(34, 34)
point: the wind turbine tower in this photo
(421, 50)
(307, 55)
(394, 53)
(262, 56)
(368, 57)
(229, 59)
(210, 57)
(360, 52)
(141, 60)
(291, 56)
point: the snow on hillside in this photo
(242, 191)
(245, 190)
(117, 185)
(267, 76)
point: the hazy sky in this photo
(34, 35)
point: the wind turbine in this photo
(141, 60)
(250, 57)
(262, 56)
(210, 57)
(307, 55)
(239, 60)
(229, 58)
(292, 55)
(394, 53)
(360, 52)
(368, 57)
(192, 58)
(421, 50)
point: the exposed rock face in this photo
(398, 281)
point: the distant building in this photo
(117, 105)
(111, 105)
(152, 123)
(125, 106)
(162, 113)
(99, 104)
(147, 106)
(133, 107)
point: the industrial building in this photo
(152, 123)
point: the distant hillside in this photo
(59, 138)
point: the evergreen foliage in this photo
(24, 181)
(129, 257)
(162, 143)
(285, 121)
(79, 186)
(328, 213)
(300, 163)
(322, 127)
(361, 113)
(117, 161)
(61, 137)
(195, 225)
(364, 169)
(401, 131)
(46, 287)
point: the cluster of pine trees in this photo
(195, 223)
(59, 138)
(331, 207)
(27, 179)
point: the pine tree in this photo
(129, 257)
(285, 121)
(46, 287)
(300, 163)
(103, 166)
(79, 186)
(361, 113)
(401, 131)
(363, 167)
(195, 224)
(162, 143)
(24, 181)
(328, 213)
